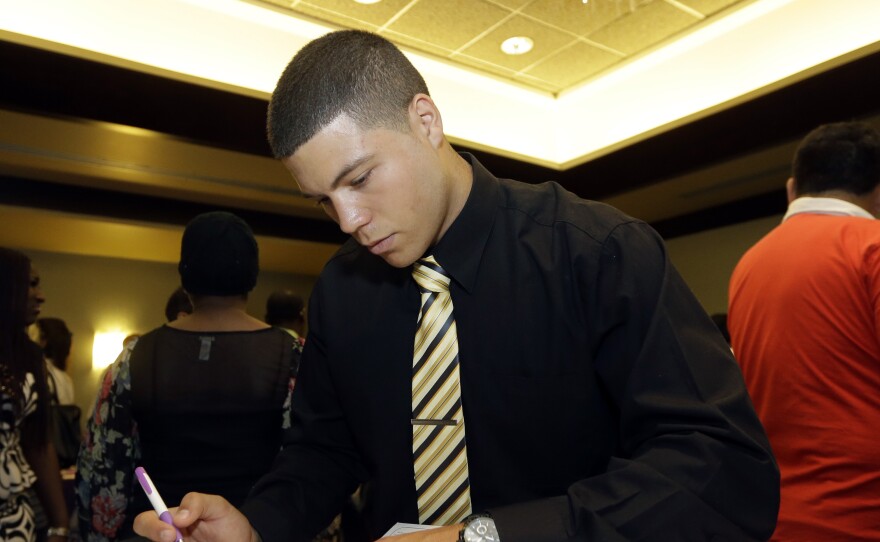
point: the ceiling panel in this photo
(710, 7)
(547, 40)
(346, 11)
(571, 64)
(644, 27)
(419, 22)
(513, 4)
(576, 17)
(470, 32)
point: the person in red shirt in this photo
(804, 321)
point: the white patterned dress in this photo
(16, 516)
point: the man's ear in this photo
(426, 119)
(791, 189)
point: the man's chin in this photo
(398, 264)
(395, 259)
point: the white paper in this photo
(406, 528)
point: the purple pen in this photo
(155, 499)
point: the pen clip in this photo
(144, 480)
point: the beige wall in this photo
(707, 259)
(98, 294)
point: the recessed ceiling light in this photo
(367, 1)
(517, 45)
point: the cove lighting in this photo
(106, 348)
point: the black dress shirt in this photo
(601, 403)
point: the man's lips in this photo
(381, 245)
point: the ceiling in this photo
(573, 40)
(107, 152)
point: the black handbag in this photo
(65, 429)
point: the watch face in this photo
(481, 530)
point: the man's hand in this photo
(201, 518)
(443, 534)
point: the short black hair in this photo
(178, 302)
(219, 256)
(354, 72)
(58, 339)
(838, 156)
(283, 306)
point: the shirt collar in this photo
(460, 250)
(824, 206)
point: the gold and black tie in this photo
(439, 452)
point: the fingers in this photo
(201, 517)
(148, 524)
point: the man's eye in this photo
(362, 179)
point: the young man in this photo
(564, 381)
(804, 321)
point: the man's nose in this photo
(351, 217)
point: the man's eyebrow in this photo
(346, 169)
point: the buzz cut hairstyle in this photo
(354, 72)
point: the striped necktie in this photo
(439, 453)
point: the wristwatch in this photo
(478, 528)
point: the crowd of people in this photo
(211, 400)
(494, 360)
